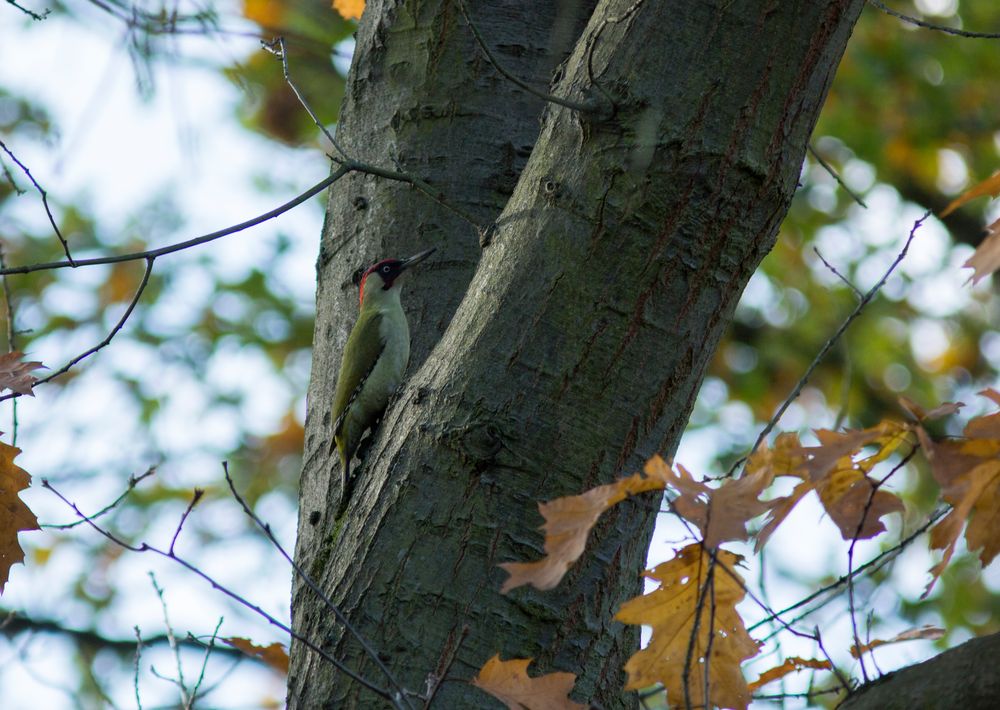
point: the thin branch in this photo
(133, 481)
(187, 244)
(15, 623)
(145, 547)
(875, 562)
(185, 698)
(930, 25)
(198, 493)
(33, 15)
(369, 650)
(11, 336)
(833, 666)
(277, 47)
(104, 343)
(204, 663)
(45, 201)
(833, 269)
(833, 173)
(583, 107)
(435, 679)
(828, 345)
(138, 656)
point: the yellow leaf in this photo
(266, 13)
(509, 682)
(349, 9)
(14, 514)
(986, 258)
(791, 665)
(924, 632)
(990, 186)
(274, 655)
(848, 495)
(687, 593)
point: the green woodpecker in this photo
(375, 357)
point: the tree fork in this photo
(580, 342)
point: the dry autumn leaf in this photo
(924, 632)
(720, 513)
(849, 496)
(509, 682)
(672, 610)
(968, 471)
(15, 375)
(274, 655)
(986, 258)
(349, 9)
(15, 516)
(990, 186)
(568, 521)
(791, 665)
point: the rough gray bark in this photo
(962, 677)
(579, 345)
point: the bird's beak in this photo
(414, 260)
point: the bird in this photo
(374, 360)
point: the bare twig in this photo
(179, 682)
(833, 173)
(33, 15)
(852, 609)
(104, 343)
(876, 563)
(204, 662)
(793, 395)
(11, 336)
(198, 493)
(145, 547)
(833, 269)
(400, 696)
(15, 624)
(138, 656)
(448, 656)
(133, 481)
(833, 666)
(930, 25)
(277, 47)
(583, 107)
(45, 200)
(187, 244)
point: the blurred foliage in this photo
(909, 123)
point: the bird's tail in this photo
(346, 484)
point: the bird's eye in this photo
(386, 269)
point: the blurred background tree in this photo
(154, 122)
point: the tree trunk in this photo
(579, 343)
(962, 677)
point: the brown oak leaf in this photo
(791, 665)
(924, 632)
(275, 655)
(16, 375)
(568, 521)
(15, 516)
(509, 682)
(968, 471)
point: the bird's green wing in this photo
(363, 349)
